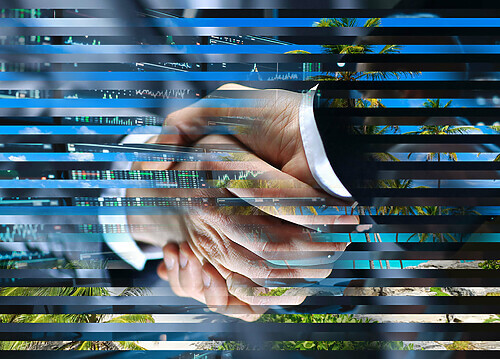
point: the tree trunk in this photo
(387, 264)
(367, 236)
(350, 241)
(368, 239)
(400, 261)
(439, 207)
(439, 182)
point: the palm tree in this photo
(358, 49)
(359, 76)
(433, 211)
(70, 318)
(378, 130)
(397, 210)
(497, 129)
(439, 130)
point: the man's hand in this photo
(188, 278)
(242, 249)
(274, 135)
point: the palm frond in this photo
(130, 346)
(340, 22)
(379, 75)
(391, 49)
(324, 23)
(323, 78)
(384, 156)
(373, 22)
(436, 103)
(15, 345)
(132, 318)
(297, 52)
(354, 49)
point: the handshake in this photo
(227, 257)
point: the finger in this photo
(219, 300)
(161, 270)
(272, 184)
(292, 236)
(256, 230)
(169, 269)
(232, 257)
(201, 252)
(190, 273)
(267, 237)
(271, 129)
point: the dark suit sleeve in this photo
(343, 147)
(373, 166)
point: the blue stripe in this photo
(25, 183)
(221, 49)
(91, 211)
(122, 103)
(83, 130)
(142, 76)
(106, 157)
(240, 22)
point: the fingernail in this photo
(169, 262)
(183, 259)
(206, 279)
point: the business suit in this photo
(344, 169)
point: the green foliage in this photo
(436, 237)
(439, 130)
(71, 318)
(436, 103)
(439, 292)
(233, 346)
(493, 319)
(358, 48)
(347, 22)
(320, 345)
(312, 318)
(459, 345)
(490, 264)
(497, 129)
(132, 318)
(341, 345)
(317, 345)
(54, 291)
(275, 292)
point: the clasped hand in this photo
(227, 257)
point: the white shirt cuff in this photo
(122, 243)
(317, 160)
